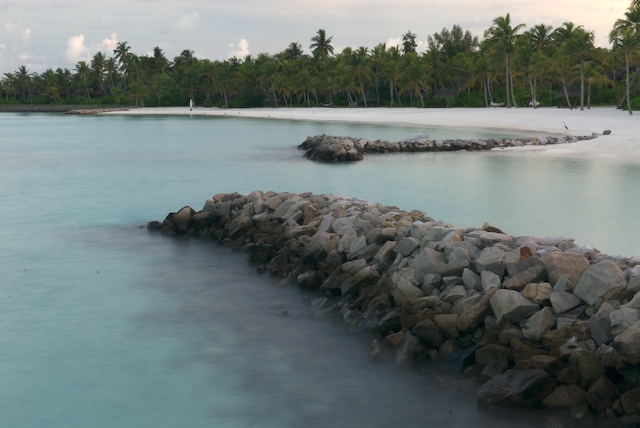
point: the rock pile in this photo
(536, 320)
(96, 110)
(326, 148)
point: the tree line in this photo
(511, 66)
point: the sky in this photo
(41, 34)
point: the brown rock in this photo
(602, 394)
(565, 396)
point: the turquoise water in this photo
(103, 324)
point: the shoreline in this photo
(545, 120)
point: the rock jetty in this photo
(85, 111)
(327, 148)
(537, 321)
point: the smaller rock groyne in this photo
(327, 148)
(85, 111)
(537, 321)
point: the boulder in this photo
(538, 292)
(589, 367)
(600, 325)
(563, 301)
(627, 344)
(622, 318)
(538, 324)
(491, 259)
(490, 280)
(600, 282)
(470, 319)
(602, 394)
(430, 261)
(509, 306)
(561, 263)
(565, 396)
(517, 388)
(630, 401)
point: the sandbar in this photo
(623, 144)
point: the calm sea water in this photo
(103, 324)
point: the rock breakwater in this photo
(327, 148)
(535, 320)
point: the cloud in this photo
(393, 42)
(241, 51)
(76, 49)
(15, 30)
(108, 44)
(188, 21)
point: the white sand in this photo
(622, 144)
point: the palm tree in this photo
(83, 77)
(626, 39)
(502, 37)
(98, 67)
(631, 20)
(321, 46)
(579, 46)
(122, 54)
(22, 81)
(414, 77)
(293, 51)
(392, 71)
(359, 62)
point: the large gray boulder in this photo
(509, 306)
(491, 259)
(628, 344)
(430, 261)
(600, 282)
(563, 301)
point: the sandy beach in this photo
(622, 144)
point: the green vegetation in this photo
(513, 66)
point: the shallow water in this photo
(104, 324)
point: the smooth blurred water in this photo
(103, 324)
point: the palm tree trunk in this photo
(391, 92)
(506, 80)
(626, 56)
(566, 94)
(364, 98)
(486, 100)
(582, 85)
(513, 92)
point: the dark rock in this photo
(602, 394)
(517, 388)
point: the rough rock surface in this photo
(327, 148)
(534, 319)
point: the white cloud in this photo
(239, 51)
(188, 21)
(393, 42)
(108, 44)
(15, 30)
(77, 50)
